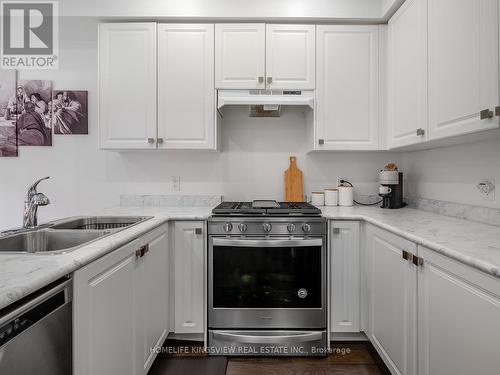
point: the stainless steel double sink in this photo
(65, 235)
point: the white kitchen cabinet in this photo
(189, 276)
(407, 75)
(127, 86)
(463, 66)
(347, 88)
(152, 284)
(120, 308)
(290, 57)
(240, 60)
(186, 88)
(344, 276)
(458, 318)
(392, 290)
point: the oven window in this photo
(278, 277)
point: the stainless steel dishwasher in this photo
(36, 333)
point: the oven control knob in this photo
(267, 227)
(291, 228)
(242, 227)
(306, 227)
(228, 227)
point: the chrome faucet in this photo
(31, 203)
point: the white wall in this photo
(254, 154)
(452, 173)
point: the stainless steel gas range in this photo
(267, 279)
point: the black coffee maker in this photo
(391, 189)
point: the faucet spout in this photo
(31, 204)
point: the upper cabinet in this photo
(463, 66)
(348, 88)
(240, 56)
(186, 92)
(147, 75)
(127, 86)
(290, 56)
(407, 75)
(259, 56)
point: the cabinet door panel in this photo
(290, 56)
(127, 85)
(393, 304)
(186, 86)
(344, 276)
(407, 73)
(240, 56)
(348, 84)
(463, 65)
(189, 277)
(459, 310)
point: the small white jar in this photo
(318, 198)
(346, 196)
(331, 197)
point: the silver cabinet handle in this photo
(420, 132)
(198, 231)
(417, 261)
(269, 80)
(160, 141)
(486, 114)
(267, 243)
(261, 79)
(406, 255)
(497, 111)
(321, 141)
(151, 140)
(248, 338)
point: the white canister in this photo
(346, 196)
(318, 198)
(331, 197)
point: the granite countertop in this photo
(474, 244)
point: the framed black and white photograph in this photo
(8, 99)
(34, 125)
(70, 112)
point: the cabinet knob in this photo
(261, 79)
(486, 114)
(420, 132)
(151, 140)
(160, 141)
(269, 80)
(321, 141)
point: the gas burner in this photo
(266, 208)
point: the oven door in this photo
(257, 282)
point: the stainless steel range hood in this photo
(267, 98)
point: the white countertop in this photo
(474, 244)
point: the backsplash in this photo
(462, 211)
(169, 200)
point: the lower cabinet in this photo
(392, 291)
(458, 318)
(344, 265)
(120, 308)
(189, 276)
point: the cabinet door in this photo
(344, 276)
(186, 92)
(290, 57)
(459, 325)
(463, 65)
(393, 296)
(240, 56)
(407, 75)
(348, 84)
(189, 253)
(104, 315)
(127, 86)
(152, 314)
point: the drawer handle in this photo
(269, 80)
(198, 231)
(417, 261)
(151, 140)
(139, 253)
(406, 255)
(485, 114)
(420, 132)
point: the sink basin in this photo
(98, 222)
(48, 240)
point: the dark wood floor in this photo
(350, 358)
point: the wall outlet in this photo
(175, 183)
(487, 188)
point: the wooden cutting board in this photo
(294, 190)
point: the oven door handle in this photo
(267, 242)
(275, 339)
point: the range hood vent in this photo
(266, 98)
